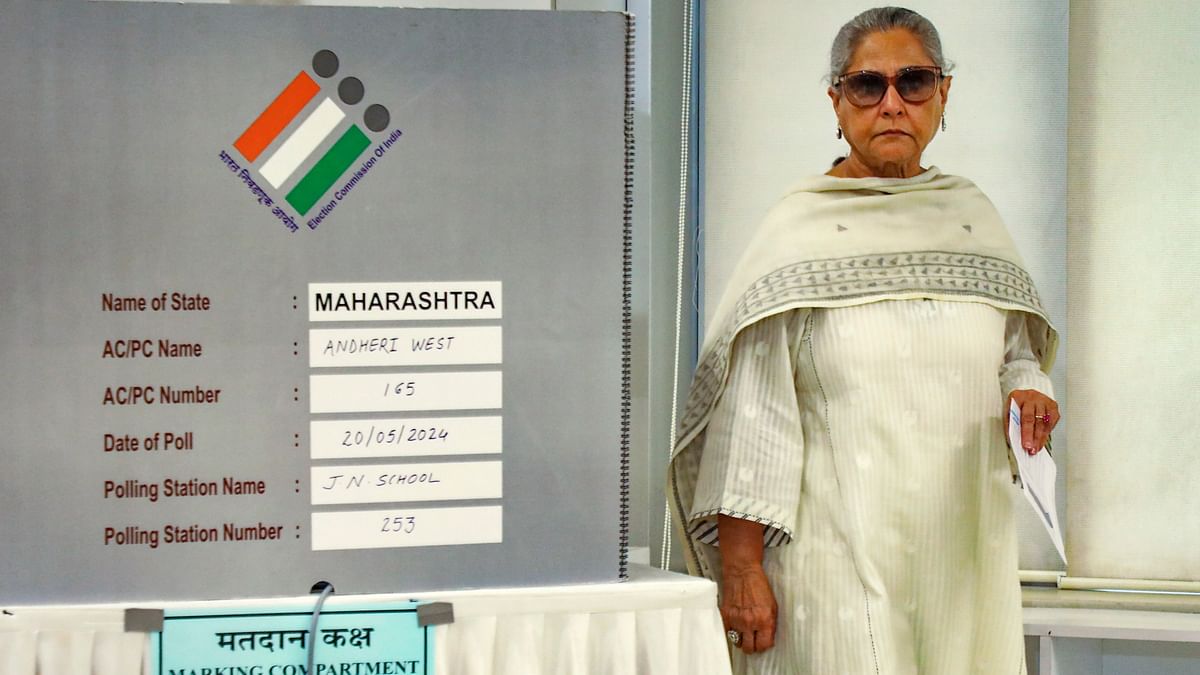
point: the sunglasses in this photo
(866, 88)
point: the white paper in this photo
(417, 301)
(426, 346)
(373, 483)
(401, 437)
(404, 527)
(406, 391)
(1037, 479)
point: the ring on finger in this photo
(734, 637)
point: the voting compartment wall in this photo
(471, 179)
(1134, 211)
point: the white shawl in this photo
(836, 242)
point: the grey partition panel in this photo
(295, 293)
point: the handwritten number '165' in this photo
(399, 389)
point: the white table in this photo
(657, 623)
(1088, 632)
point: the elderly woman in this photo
(842, 469)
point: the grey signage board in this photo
(296, 293)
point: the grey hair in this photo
(879, 20)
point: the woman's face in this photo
(887, 139)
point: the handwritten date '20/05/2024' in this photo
(393, 436)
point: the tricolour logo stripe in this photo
(303, 127)
(302, 142)
(328, 169)
(277, 116)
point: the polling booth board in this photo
(311, 293)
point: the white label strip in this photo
(292, 153)
(392, 528)
(346, 439)
(365, 484)
(389, 392)
(435, 346)
(404, 301)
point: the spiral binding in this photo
(627, 299)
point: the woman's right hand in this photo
(747, 603)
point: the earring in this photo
(839, 132)
(943, 121)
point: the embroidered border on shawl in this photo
(835, 280)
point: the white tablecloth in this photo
(657, 623)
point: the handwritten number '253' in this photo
(405, 524)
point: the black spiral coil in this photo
(627, 299)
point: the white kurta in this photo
(869, 439)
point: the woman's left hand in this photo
(1039, 415)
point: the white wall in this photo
(1134, 256)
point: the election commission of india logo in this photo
(307, 150)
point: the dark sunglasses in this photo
(866, 88)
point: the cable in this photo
(684, 162)
(326, 589)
